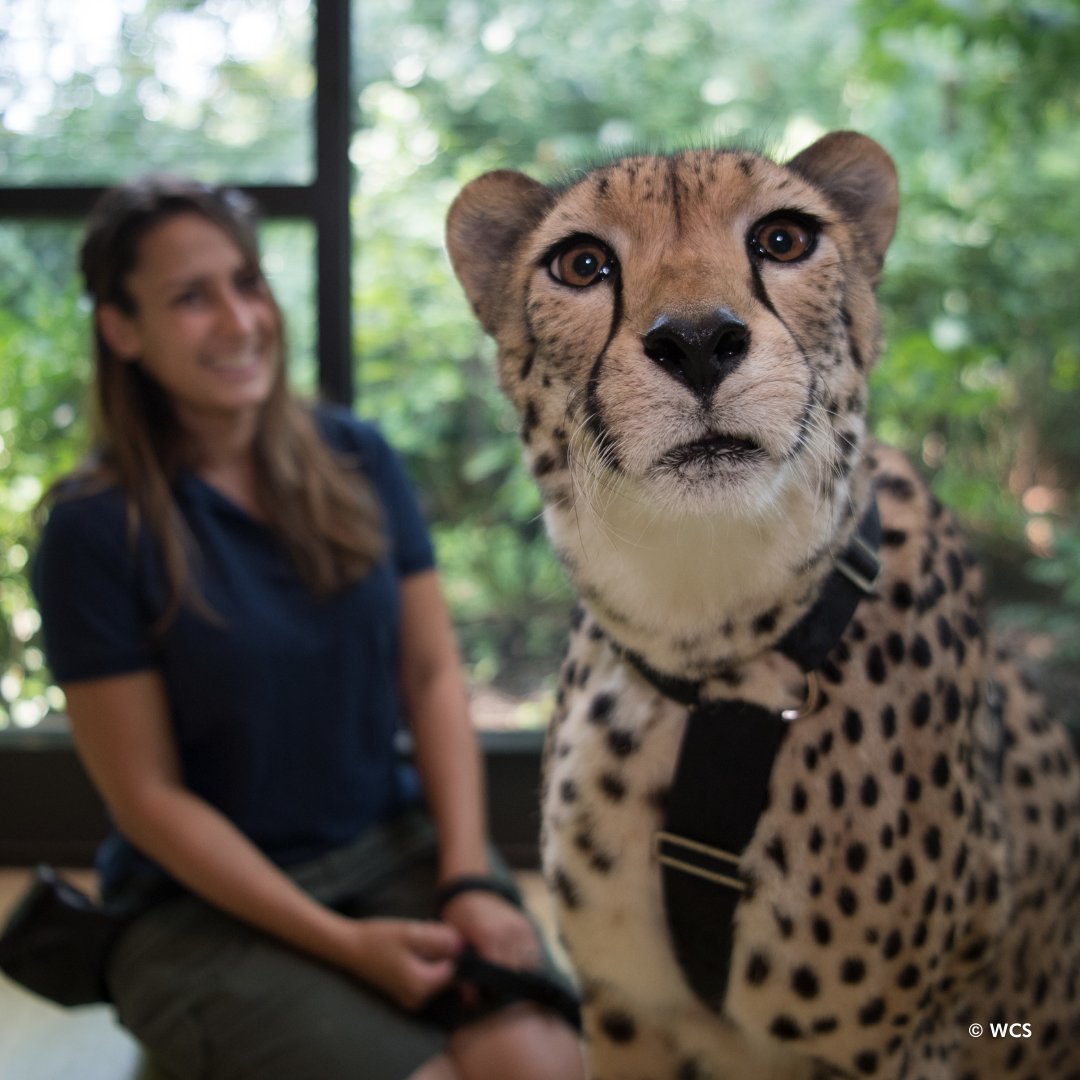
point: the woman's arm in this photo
(123, 734)
(448, 757)
(447, 753)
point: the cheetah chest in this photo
(610, 761)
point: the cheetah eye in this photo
(582, 262)
(783, 238)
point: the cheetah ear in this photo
(486, 222)
(860, 178)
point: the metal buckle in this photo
(810, 702)
(860, 580)
(694, 846)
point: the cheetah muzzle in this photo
(687, 340)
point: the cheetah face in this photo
(702, 322)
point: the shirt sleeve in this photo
(85, 578)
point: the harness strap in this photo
(855, 574)
(718, 795)
(721, 782)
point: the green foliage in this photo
(982, 378)
(41, 330)
(1062, 574)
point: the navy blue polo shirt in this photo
(286, 709)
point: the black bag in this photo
(57, 940)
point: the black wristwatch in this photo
(475, 883)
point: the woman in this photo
(239, 601)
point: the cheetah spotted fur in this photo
(687, 339)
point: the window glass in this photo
(94, 91)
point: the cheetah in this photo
(687, 338)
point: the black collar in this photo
(854, 575)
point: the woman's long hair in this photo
(318, 503)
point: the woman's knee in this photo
(439, 1068)
(523, 1042)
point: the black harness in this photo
(721, 779)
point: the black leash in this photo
(722, 776)
(494, 987)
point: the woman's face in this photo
(205, 325)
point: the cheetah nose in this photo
(700, 353)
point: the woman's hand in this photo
(495, 928)
(408, 960)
